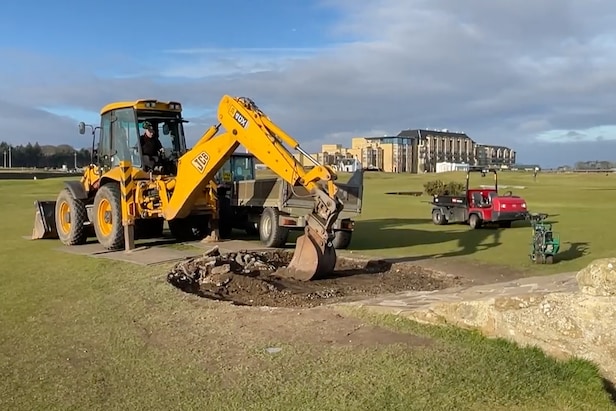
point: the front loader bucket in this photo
(312, 259)
(44, 220)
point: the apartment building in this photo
(439, 146)
(388, 153)
(494, 156)
(415, 151)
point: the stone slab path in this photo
(411, 300)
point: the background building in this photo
(415, 151)
(496, 156)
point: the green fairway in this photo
(84, 333)
(580, 206)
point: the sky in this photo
(539, 77)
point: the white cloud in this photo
(599, 133)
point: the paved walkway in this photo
(398, 303)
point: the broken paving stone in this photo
(212, 267)
(250, 278)
(220, 269)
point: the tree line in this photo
(46, 156)
(594, 165)
(590, 165)
(50, 156)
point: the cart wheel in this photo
(438, 217)
(474, 221)
(549, 259)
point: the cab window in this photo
(242, 168)
(125, 137)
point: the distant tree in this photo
(35, 155)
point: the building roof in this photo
(382, 137)
(493, 146)
(421, 133)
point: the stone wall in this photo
(580, 322)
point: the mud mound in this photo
(249, 278)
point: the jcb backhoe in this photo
(177, 185)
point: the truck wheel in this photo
(108, 217)
(474, 221)
(71, 215)
(438, 218)
(342, 240)
(270, 232)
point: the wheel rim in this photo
(65, 218)
(104, 220)
(267, 227)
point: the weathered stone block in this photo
(598, 278)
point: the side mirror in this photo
(166, 129)
(82, 127)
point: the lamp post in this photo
(4, 163)
(10, 158)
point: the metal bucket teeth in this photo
(311, 260)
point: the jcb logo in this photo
(201, 161)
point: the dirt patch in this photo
(475, 271)
(317, 326)
(249, 278)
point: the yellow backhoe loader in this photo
(122, 186)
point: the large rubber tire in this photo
(474, 221)
(270, 232)
(74, 231)
(107, 214)
(342, 240)
(438, 218)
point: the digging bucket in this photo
(313, 258)
(44, 220)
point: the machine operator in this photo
(150, 144)
(151, 147)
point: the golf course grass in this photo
(84, 333)
(580, 208)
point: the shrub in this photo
(438, 187)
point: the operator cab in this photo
(122, 125)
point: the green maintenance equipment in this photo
(545, 244)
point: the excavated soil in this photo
(250, 278)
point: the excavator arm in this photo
(246, 124)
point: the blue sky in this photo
(538, 77)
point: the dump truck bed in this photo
(276, 192)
